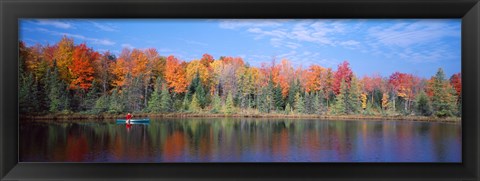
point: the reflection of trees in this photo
(174, 147)
(76, 148)
(238, 139)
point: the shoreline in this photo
(96, 117)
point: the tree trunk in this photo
(145, 96)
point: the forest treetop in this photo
(75, 77)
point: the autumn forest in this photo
(67, 78)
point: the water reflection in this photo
(241, 140)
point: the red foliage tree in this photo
(456, 81)
(343, 72)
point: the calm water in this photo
(241, 140)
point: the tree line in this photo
(69, 78)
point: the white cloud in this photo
(127, 45)
(241, 23)
(349, 43)
(292, 45)
(103, 27)
(164, 50)
(278, 42)
(54, 23)
(274, 33)
(191, 42)
(321, 32)
(91, 40)
(416, 42)
(288, 55)
(407, 34)
(440, 53)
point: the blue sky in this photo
(371, 46)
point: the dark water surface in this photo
(241, 140)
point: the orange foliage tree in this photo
(315, 78)
(175, 75)
(82, 70)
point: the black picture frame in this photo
(467, 10)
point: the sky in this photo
(371, 46)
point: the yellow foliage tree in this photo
(364, 101)
(385, 103)
(63, 55)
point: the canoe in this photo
(135, 120)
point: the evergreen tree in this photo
(201, 95)
(292, 92)
(278, 98)
(185, 103)
(26, 85)
(193, 86)
(55, 91)
(353, 100)
(308, 103)
(92, 95)
(195, 105)
(216, 104)
(299, 104)
(154, 104)
(263, 102)
(270, 95)
(34, 97)
(452, 99)
(101, 104)
(422, 106)
(288, 108)
(116, 104)
(229, 106)
(165, 100)
(340, 106)
(317, 104)
(135, 95)
(443, 104)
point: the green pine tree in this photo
(288, 108)
(317, 104)
(340, 106)
(26, 85)
(201, 95)
(278, 98)
(299, 104)
(92, 95)
(195, 105)
(185, 104)
(292, 92)
(270, 96)
(116, 104)
(443, 102)
(165, 100)
(192, 87)
(422, 106)
(216, 104)
(101, 104)
(154, 104)
(353, 101)
(55, 91)
(229, 105)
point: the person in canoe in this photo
(129, 117)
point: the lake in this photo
(240, 140)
